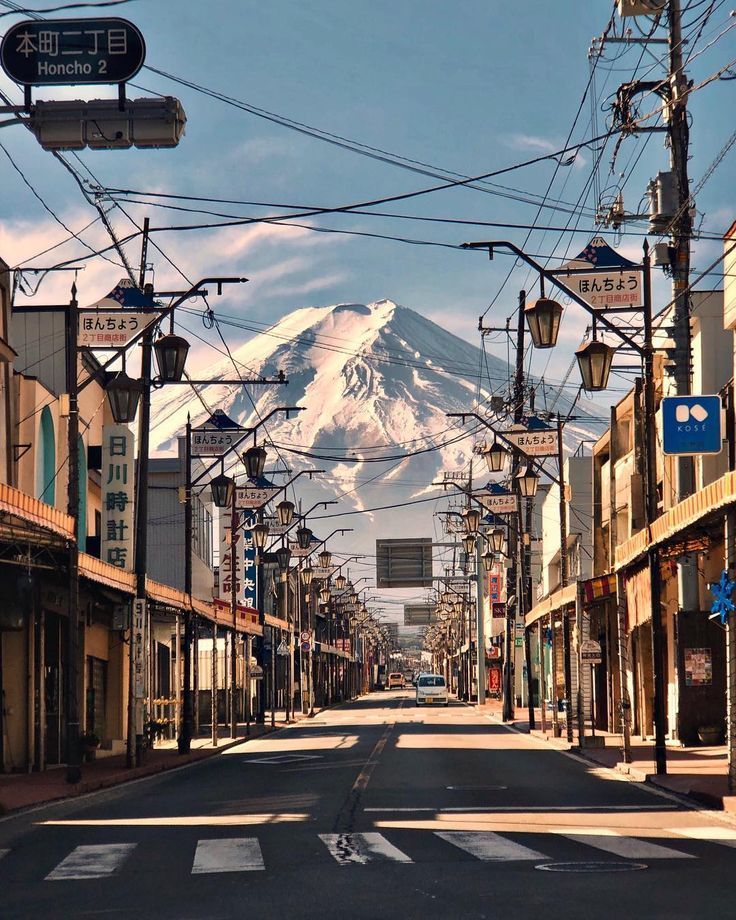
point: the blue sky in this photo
(469, 87)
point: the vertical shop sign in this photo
(118, 495)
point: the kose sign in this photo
(67, 51)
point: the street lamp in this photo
(255, 461)
(324, 559)
(324, 595)
(498, 538)
(594, 360)
(260, 535)
(495, 457)
(303, 537)
(488, 559)
(340, 582)
(222, 487)
(306, 575)
(171, 355)
(283, 555)
(543, 321)
(124, 394)
(471, 519)
(285, 512)
(469, 544)
(528, 481)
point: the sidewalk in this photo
(697, 772)
(24, 790)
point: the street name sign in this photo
(253, 496)
(590, 652)
(111, 329)
(691, 425)
(603, 277)
(63, 52)
(498, 502)
(216, 436)
(534, 440)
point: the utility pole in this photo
(185, 737)
(564, 578)
(678, 134)
(73, 753)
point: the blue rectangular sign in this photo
(691, 425)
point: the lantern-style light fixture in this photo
(469, 544)
(306, 575)
(498, 539)
(255, 461)
(495, 457)
(340, 582)
(260, 535)
(283, 555)
(325, 558)
(594, 360)
(123, 394)
(528, 481)
(285, 512)
(303, 537)
(223, 489)
(488, 560)
(471, 520)
(171, 355)
(354, 598)
(324, 595)
(543, 321)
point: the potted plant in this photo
(88, 743)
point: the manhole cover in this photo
(591, 867)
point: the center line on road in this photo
(370, 765)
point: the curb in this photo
(138, 774)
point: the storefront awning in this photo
(563, 597)
(715, 497)
(29, 519)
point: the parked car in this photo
(395, 681)
(432, 690)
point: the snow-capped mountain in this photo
(376, 381)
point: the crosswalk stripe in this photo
(726, 836)
(489, 847)
(628, 847)
(96, 861)
(362, 848)
(3, 853)
(234, 854)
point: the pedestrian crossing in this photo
(208, 856)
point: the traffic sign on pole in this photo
(63, 52)
(691, 425)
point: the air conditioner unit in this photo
(640, 7)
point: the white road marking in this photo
(628, 847)
(489, 847)
(3, 853)
(723, 835)
(234, 854)
(98, 861)
(362, 848)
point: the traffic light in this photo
(101, 124)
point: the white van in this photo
(432, 690)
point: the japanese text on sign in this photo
(118, 484)
(138, 640)
(112, 329)
(538, 443)
(212, 442)
(68, 51)
(608, 289)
